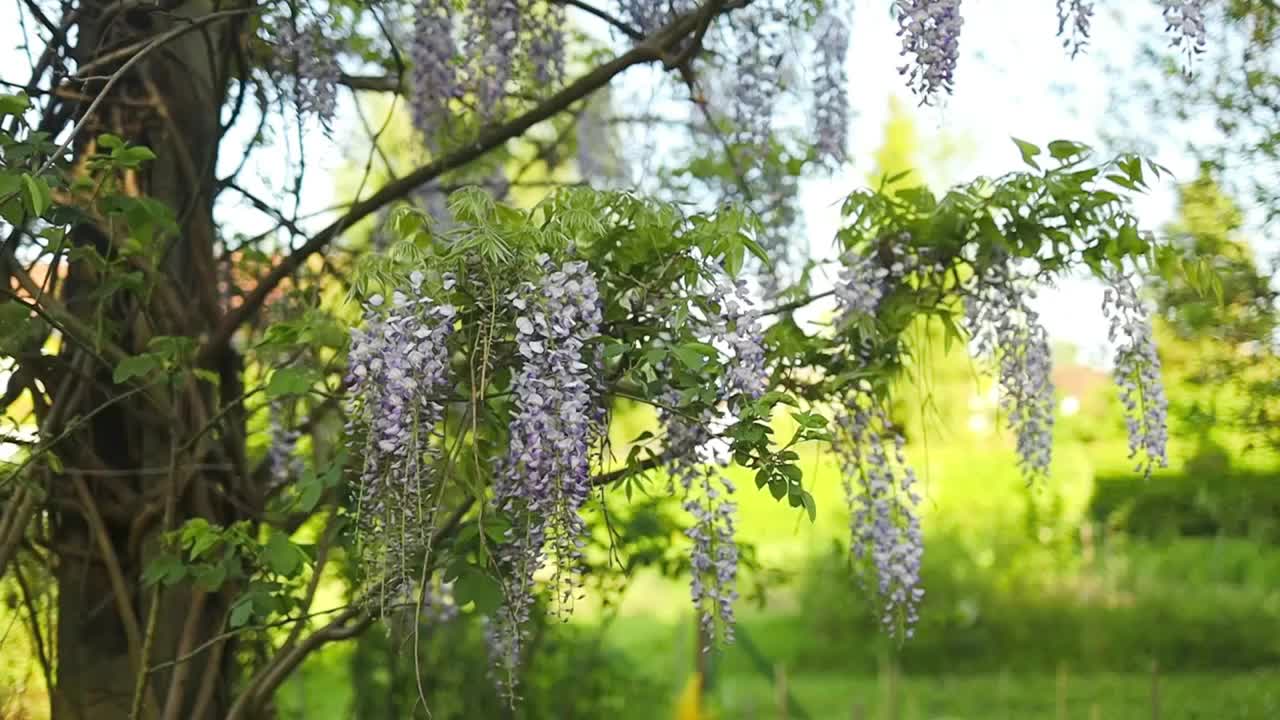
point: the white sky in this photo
(1014, 79)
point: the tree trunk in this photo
(149, 453)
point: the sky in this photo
(1014, 79)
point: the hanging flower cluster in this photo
(285, 465)
(546, 47)
(500, 35)
(757, 75)
(1006, 330)
(315, 66)
(398, 375)
(930, 30)
(1185, 19)
(432, 51)
(1074, 17)
(865, 279)
(545, 478)
(879, 487)
(698, 458)
(831, 89)
(1137, 373)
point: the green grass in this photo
(1001, 696)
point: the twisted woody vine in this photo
(478, 359)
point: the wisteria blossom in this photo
(698, 457)
(1185, 19)
(1006, 330)
(285, 464)
(1137, 374)
(649, 16)
(930, 31)
(865, 279)
(546, 46)
(757, 75)
(738, 325)
(831, 87)
(316, 71)
(1074, 17)
(496, 27)
(545, 478)
(397, 377)
(434, 74)
(880, 488)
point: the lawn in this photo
(1001, 696)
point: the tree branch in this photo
(656, 49)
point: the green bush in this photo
(1191, 504)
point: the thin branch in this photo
(118, 74)
(350, 623)
(624, 27)
(655, 50)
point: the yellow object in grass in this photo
(689, 704)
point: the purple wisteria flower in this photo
(831, 89)
(495, 27)
(757, 75)
(1006, 330)
(738, 325)
(316, 71)
(545, 478)
(434, 74)
(398, 375)
(1074, 17)
(880, 490)
(699, 457)
(546, 46)
(930, 30)
(1137, 374)
(865, 279)
(1185, 19)
(649, 16)
(285, 464)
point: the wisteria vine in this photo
(398, 375)
(1137, 374)
(1005, 329)
(545, 478)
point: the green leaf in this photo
(291, 381)
(37, 193)
(310, 489)
(778, 488)
(241, 611)
(281, 555)
(110, 142)
(14, 104)
(689, 357)
(1063, 149)
(1029, 152)
(211, 577)
(208, 376)
(809, 505)
(203, 541)
(132, 156)
(166, 569)
(475, 586)
(135, 366)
